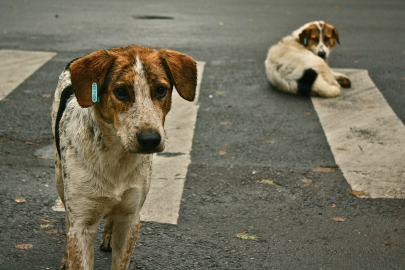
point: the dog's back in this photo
(288, 67)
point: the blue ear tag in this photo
(305, 41)
(94, 96)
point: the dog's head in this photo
(318, 37)
(135, 85)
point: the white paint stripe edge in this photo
(169, 172)
(16, 66)
(366, 137)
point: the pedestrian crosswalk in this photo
(366, 137)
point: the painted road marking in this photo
(366, 137)
(17, 66)
(169, 168)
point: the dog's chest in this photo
(94, 163)
(107, 176)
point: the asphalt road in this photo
(294, 213)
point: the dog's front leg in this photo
(80, 251)
(126, 225)
(342, 79)
(125, 234)
(83, 217)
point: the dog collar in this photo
(94, 95)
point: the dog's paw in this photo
(106, 243)
(344, 81)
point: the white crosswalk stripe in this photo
(366, 137)
(16, 66)
(170, 169)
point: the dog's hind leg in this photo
(64, 265)
(324, 89)
(106, 240)
(60, 189)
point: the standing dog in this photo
(107, 120)
(298, 64)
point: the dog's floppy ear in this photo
(88, 70)
(335, 34)
(183, 71)
(304, 36)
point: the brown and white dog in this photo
(104, 143)
(298, 64)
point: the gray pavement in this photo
(278, 179)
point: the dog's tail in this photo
(66, 94)
(63, 93)
(306, 81)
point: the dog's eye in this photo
(161, 92)
(326, 39)
(121, 94)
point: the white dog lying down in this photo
(298, 64)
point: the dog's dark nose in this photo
(149, 140)
(322, 54)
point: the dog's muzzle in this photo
(322, 54)
(149, 140)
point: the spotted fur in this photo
(102, 166)
(291, 62)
